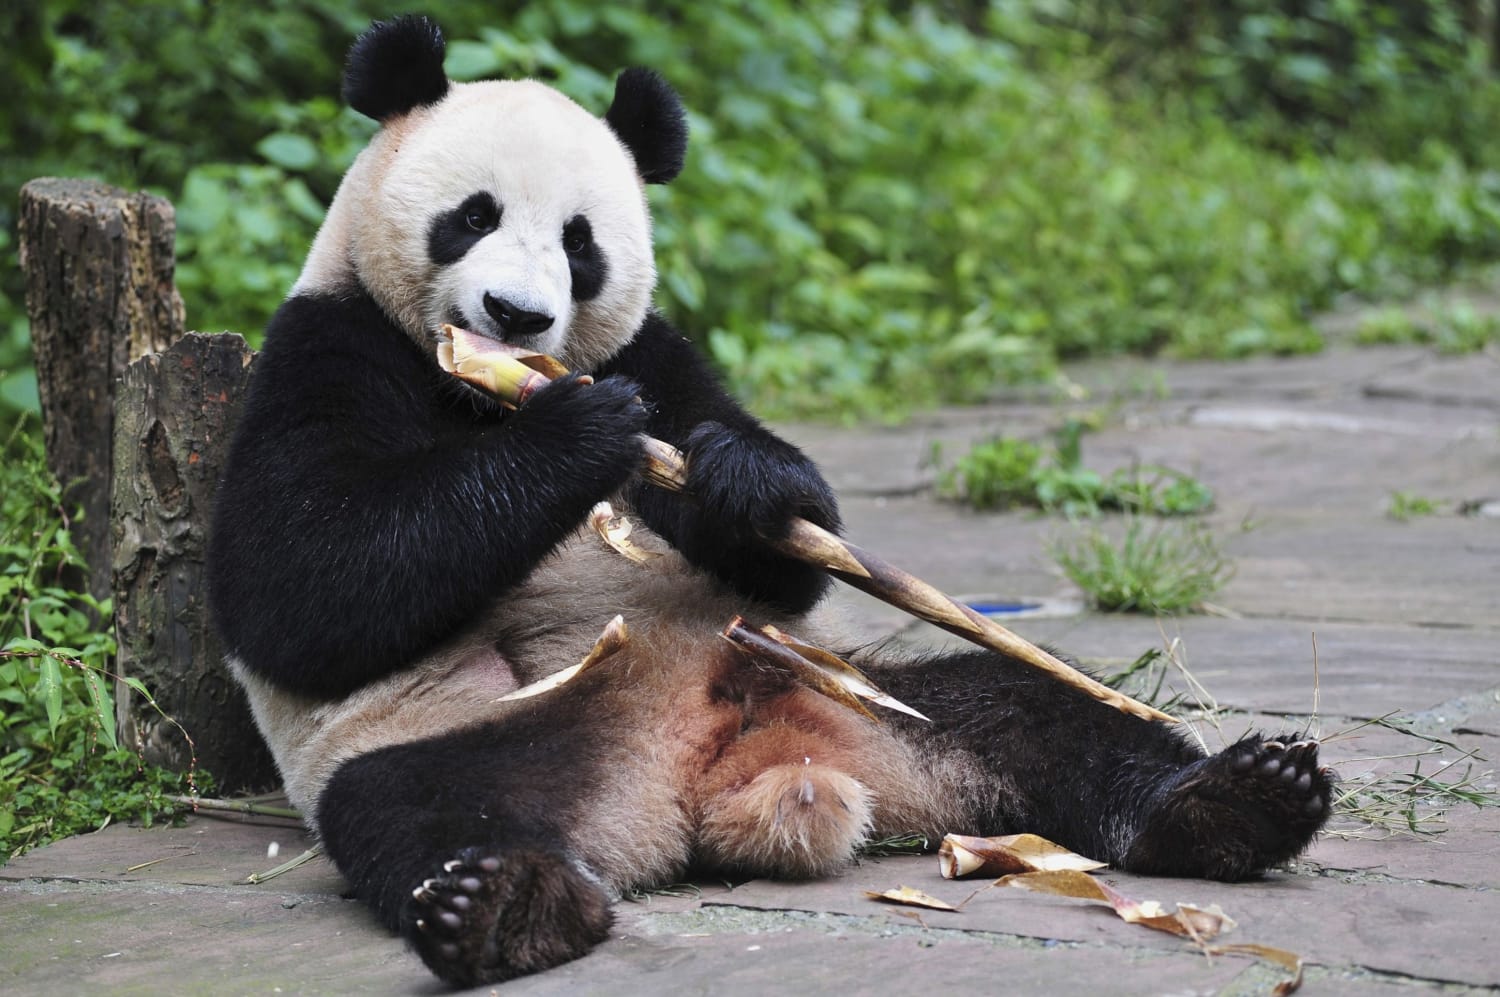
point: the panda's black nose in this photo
(514, 321)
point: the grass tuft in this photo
(1156, 567)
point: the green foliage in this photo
(1003, 471)
(1456, 327)
(884, 205)
(1156, 567)
(61, 769)
(1404, 506)
(1386, 76)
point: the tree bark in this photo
(176, 412)
(98, 266)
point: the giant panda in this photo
(393, 552)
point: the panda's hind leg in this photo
(458, 843)
(1049, 760)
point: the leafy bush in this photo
(884, 205)
(1386, 76)
(949, 201)
(61, 769)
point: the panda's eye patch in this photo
(457, 230)
(481, 213)
(577, 235)
(586, 262)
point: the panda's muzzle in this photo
(515, 322)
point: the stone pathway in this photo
(1406, 619)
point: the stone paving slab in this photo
(1466, 853)
(1464, 380)
(1394, 927)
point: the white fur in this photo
(544, 159)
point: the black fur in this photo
(453, 233)
(396, 66)
(397, 509)
(746, 482)
(1122, 790)
(647, 116)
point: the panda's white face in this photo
(504, 208)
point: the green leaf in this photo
(467, 60)
(289, 151)
(49, 688)
(104, 705)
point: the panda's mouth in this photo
(488, 330)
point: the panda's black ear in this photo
(648, 117)
(395, 66)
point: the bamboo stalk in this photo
(806, 541)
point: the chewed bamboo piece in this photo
(510, 374)
(615, 636)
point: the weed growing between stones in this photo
(1156, 567)
(1404, 506)
(1004, 472)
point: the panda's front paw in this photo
(750, 486)
(487, 916)
(591, 434)
(746, 489)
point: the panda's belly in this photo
(547, 624)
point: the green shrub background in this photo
(885, 204)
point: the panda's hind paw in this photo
(487, 916)
(1286, 776)
(1254, 805)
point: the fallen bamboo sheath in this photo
(511, 374)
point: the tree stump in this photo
(175, 416)
(98, 264)
(132, 407)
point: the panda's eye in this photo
(577, 236)
(480, 213)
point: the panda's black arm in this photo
(363, 518)
(744, 481)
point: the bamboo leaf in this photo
(49, 687)
(103, 703)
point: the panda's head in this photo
(500, 206)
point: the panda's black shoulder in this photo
(337, 357)
(665, 360)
